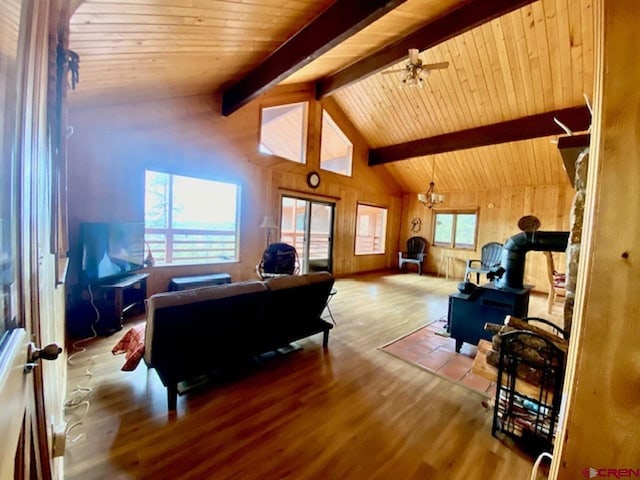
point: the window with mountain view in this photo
(190, 220)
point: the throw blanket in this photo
(132, 345)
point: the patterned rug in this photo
(431, 349)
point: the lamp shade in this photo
(268, 222)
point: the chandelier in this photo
(431, 198)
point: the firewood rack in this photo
(530, 415)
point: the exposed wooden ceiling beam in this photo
(469, 15)
(340, 21)
(541, 125)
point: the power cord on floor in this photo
(79, 395)
(536, 465)
(78, 422)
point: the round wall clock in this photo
(313, 179)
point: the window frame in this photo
(305, 131)
(169, 231)
(455, 212)
(331, 123)
(383, 241)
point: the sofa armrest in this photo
(294, 307)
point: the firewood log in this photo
(528, 373)
(499, 330)
(528, 341)
(493, 358)
(532, 350)
(514, 323)
(519, 324)
(495, 327)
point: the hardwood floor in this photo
(348, 412)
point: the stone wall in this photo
(575, 237)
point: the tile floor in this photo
(436, 353)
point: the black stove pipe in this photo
(516, 248)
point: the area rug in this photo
(430, 349)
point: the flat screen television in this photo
(110, 250)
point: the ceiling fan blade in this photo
(414, 55)
(435, 66)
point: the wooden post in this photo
(599, 423)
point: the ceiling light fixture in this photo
(431, 198)
(415, 71)
(413, 75)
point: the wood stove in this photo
(477, 305)
(468, 312)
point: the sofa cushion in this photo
(192, 327)
(294, 307)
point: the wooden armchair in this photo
(557, 282)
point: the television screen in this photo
(111, 249)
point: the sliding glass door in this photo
(308, 226)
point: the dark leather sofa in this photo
(195, 332)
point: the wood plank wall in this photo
(600, 429)
(498, 214)
(112, 146)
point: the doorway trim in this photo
(311, 200)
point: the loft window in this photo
(190, 220)
(371, 229)
(283, 131)
(455, 229)
(336, 150)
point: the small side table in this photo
(447, 263)
(127, 292)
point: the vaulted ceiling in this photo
(538, 58)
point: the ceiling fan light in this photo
(415, 72)
(412, 80)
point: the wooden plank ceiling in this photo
(138, 49)
(536, 59)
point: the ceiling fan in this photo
(415, 72)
